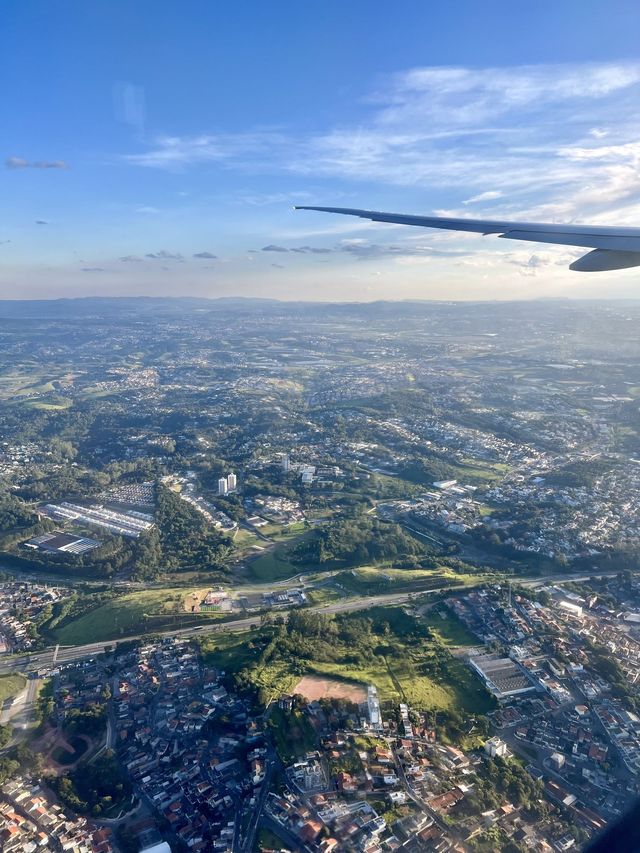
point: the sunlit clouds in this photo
(555, 143)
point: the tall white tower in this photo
(286, 463)
(232, 482)
(223, 488)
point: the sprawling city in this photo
(318, 577)
(319, 426)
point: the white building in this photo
(286, 463)
(308, 473)
(495, 747)
(406, 722)
(572, 608)
(373, 708)
(223, 486)
(232, 482)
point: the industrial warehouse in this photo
(59, 542)
(130, 524)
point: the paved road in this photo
(247, 844)
(44, 660)
(20, 711)
(412, 793)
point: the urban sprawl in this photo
(281, 576)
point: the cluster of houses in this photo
(623, 729)
(275, 509)
(586, 738)
(575, 521)
(21, 604)
(188, 492)
(77, 686)
(128, 378)
(401, 788)
(577, 756)
(195, 776)
(355, 826)
(30, 821)
(449, 505)
(15, 457)
(139, 495)
(569, 521)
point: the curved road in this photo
(40, 660)
(61, 655)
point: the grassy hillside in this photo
(131, 614)
(11, 685)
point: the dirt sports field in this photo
(60, 754)
(312, 687)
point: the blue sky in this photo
(155, 147)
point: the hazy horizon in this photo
(105, 297)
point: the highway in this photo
(65, 654)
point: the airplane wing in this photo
(613, 248)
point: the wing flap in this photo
(614, 242)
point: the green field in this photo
(450, 630)
(268, 841)
(384, 487)
(293, 734)
(229, 652)
(480, 469)
(274, 679)
(368, 580)
(323, 595)
(11, 685)
(420, 672)
(48, 406)
(399, 678)
(21, 383)
(91, 393)
(244, 538)
(272, 566)
(131, 614)
(284, 532)
(458, 689)
(375, 579)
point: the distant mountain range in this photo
(117, 306)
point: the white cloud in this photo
(464, 96)
(553, 143)
(490, 195)
(129, 105)
(526, 131)
(533, 133)
(629, 151)
(262, 199)
(175, 152)
(21, 163)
